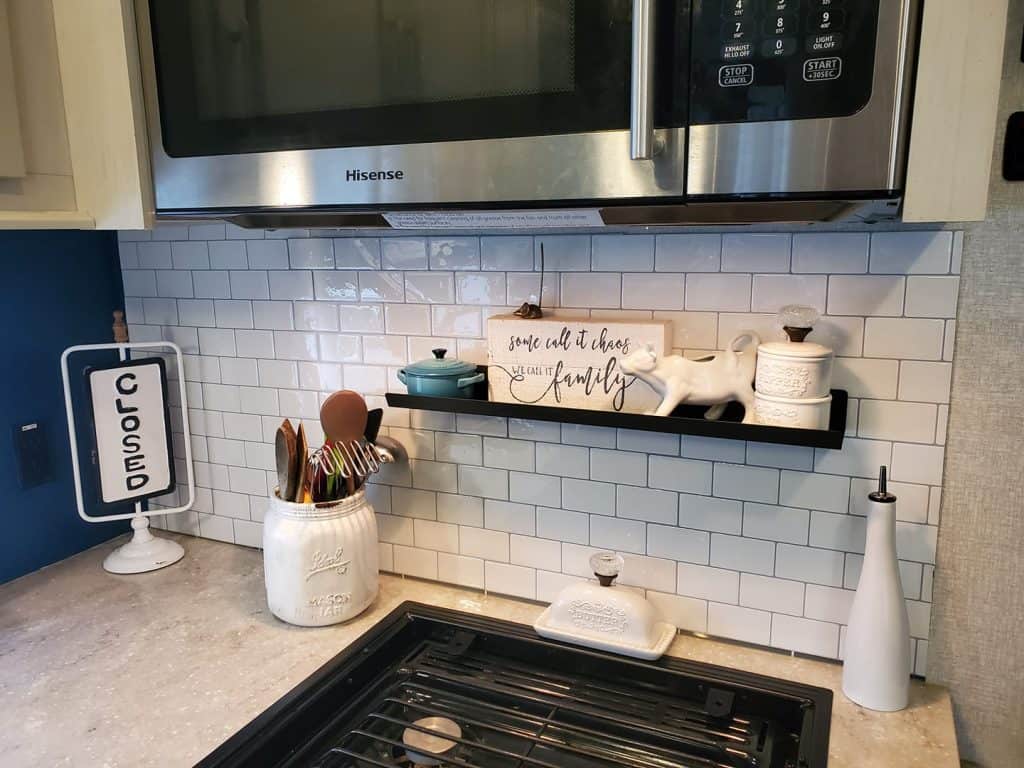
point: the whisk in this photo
(352, 462)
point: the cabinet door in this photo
(12, 151)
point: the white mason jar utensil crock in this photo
(320, 561)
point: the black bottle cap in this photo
(882, 495)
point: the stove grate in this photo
(516, 715)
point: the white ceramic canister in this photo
(789, 412)
(320, 561)
(796, 370)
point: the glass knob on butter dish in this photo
(607, 617)
(606, 566)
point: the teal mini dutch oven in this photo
(440, 377)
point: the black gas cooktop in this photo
(440, 688)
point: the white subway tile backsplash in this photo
(534, 489)
(718, 292)
(653, 291)
(744, 624)
(907, 253)
(768, 593)
(194, 255)
(430, 287)
(464, 571)
(273, 321)
(588, 496)
(513, 580)
(480, 288)
(771, 292)
(686, 475)
(646, 504)
(688, 253)
(622, 253)
(925, 381)
(591, 290)
(680, 544)
(892, 420)
(617, 534)
(506, 254)
(410, 561)
(831, 253)
(766, 521)
(756, 253)
(735, 481)
(707, 513)
(404, 253)
(267, 254)
(816, 638)
(741, 554)
(563, 525)
(932, 296)
(874, 295)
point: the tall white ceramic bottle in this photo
(876, 670)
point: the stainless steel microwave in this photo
(650, 111)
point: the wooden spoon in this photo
(301, 465)
(343, 416)
(285, 452)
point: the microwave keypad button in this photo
(822, 70)
(736, 9)
(778, 48)
(736, 75)
(828, 20)
(827, 4)
(833, 41)
(780, 25)
(781, 6)
(738, 30)
(737, 51)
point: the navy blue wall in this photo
(56, 289)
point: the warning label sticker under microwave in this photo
(580, 218)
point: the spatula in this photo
(285, 454)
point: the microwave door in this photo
(257, 104)
(788, 99)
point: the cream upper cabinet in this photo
(72, 128)
(73, 150)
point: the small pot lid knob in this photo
(439, 353)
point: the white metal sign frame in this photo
(144, 552)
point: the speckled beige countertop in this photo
(160, 668)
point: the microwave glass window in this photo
(259, 59)
(263, 75)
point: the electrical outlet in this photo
(32, 451)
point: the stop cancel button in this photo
(734, 75)
(817, 70)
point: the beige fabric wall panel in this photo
(977, 644)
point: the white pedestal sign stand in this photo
(129, 409)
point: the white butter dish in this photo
(606, 617)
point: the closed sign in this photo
(132, 428)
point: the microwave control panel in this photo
(762, 60)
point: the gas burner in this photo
(429, 749)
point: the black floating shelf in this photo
(685, 420)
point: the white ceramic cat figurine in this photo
(714, 380)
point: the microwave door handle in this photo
(641, 118)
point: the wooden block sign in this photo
(571, 363)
